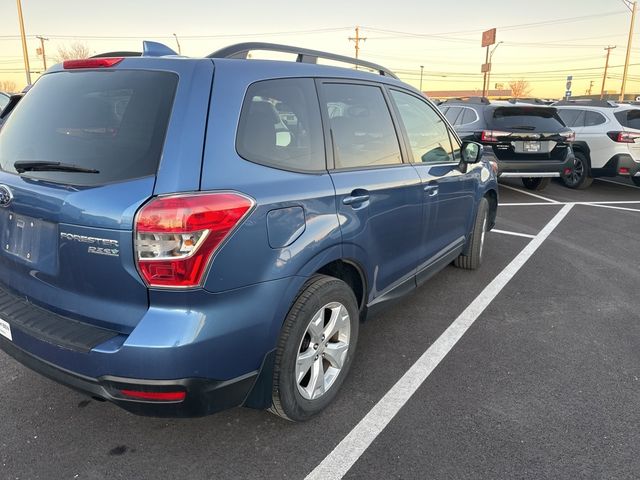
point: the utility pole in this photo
(44, 56)
(357, 39)
(421, 70)
(590, 87)
(25, 53)
(178, 43)
(606, 67)
(491, 66)
(633, 8)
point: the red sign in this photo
(489, 37)
(485, 67)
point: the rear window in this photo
(113, 122)
(538, 119)
(629, 118)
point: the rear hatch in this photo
(630, 121)
(78, 156)
(527, 133)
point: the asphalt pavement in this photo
(545, 383)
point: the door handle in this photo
(355, 199)
(432, 189)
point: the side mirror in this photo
(471, 152)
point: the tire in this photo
(636, 181)
(476, 242)
(579, 177)
(532, 183)
(321, 300)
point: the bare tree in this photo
(75, 51)
(520, 88)
(8, 86)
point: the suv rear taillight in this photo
(623, 137)
(176, 236)
(569, 137)
(492, 136)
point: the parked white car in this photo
(607, 140)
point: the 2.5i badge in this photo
(96, 245)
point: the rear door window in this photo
(591, 119)
(629, 118)
(112, 123)
(572, 117)
(361, 126)
(468, 116)
(280, 125)
(452, 114)
(538, 119)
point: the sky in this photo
(543, 40)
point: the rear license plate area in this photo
(29, 240)
(531, 146)
(22, 237)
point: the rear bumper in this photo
(203, 396)
(534, 168)
(616, 165)
(213, 347)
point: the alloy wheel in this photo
(323, 350)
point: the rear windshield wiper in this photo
(43, 166)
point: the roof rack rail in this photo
(477, 100)
(588, 102)
(304, 55)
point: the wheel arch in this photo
(583, 148)
(492, 197)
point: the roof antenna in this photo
(155, 49)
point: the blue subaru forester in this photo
(184, 235)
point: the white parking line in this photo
(617, 183)
(614, 208)
(515, 234)
(529, 193)
(538, 204)
(532, 204)
(344, 456)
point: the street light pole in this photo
(23, 37)
(421, 70)
(491, 65)
(178, 43)
(634, 5)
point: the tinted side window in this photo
(428, 134)
(280, 125)
(452, 114)
(468, 116)
(570, 117)
(361, 126)
(593, 118)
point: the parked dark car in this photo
(179, 242)
(528, 139)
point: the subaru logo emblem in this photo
(5, 196)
